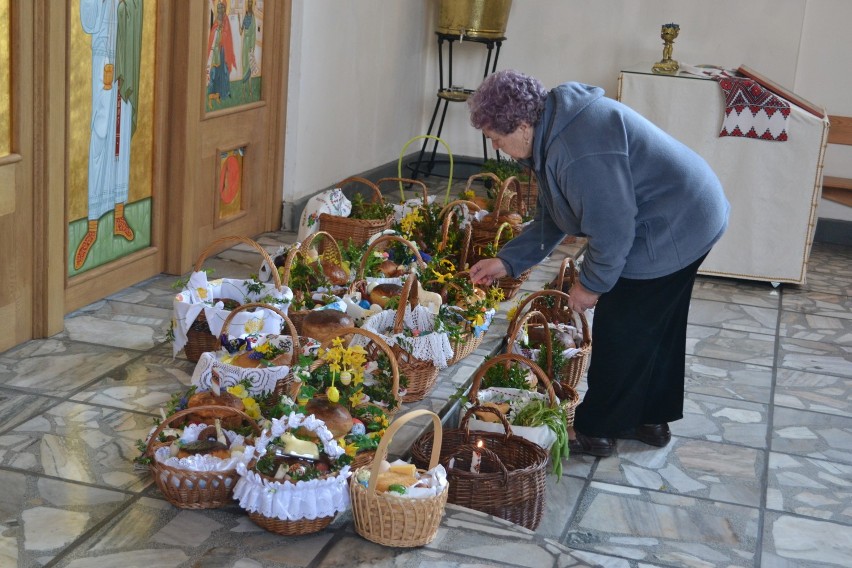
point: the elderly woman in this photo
(651, 210)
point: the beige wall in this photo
(363, 73)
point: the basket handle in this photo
(448, 213)
(499, 232)
(482, 175)
(216, 245)
(382, 450)
(385, 239)
(482, 450)
(567, 273)
(377, 194)
(335, 246)
(187, 412)
(477, 407)
(291, 329)
(578, 317)
(506, 359)
(408, 295)
(517, 324)
(498, 200)
(378, 341)
(409, 181)
(449, 154)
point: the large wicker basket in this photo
(390, 520)
(358, 231)
(199, 337)
(469, 340)
(485, 230)
(511, 481)
(553, 304)
(190, 489)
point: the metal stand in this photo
(448, 93)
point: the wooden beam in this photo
(841, 130)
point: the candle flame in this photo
(479, 444)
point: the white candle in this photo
(476, 459)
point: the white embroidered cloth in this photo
(331, 201)
(290, 501)
(428, 346)
(198, 296)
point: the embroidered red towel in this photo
(752, 111)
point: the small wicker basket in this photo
(390, 520)
(190, 489)
(358, 231)
(553, 304)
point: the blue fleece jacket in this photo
(648, 204)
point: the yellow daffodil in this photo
(334, 367)
(252, 409)
(356, 398)
(478, 320)
(238, 391)
(351, 449)
(510, 315)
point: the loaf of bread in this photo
(388, 478)
(325, 324)
(382, 293)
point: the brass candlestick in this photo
(667, 64)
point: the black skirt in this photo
(636, 375)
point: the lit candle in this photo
(476, 459)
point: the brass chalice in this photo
(667, 65)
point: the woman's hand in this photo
(487, 271)
(581, 299)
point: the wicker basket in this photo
(329, 247)
(263, 379)
(358, 231)
(406, 205)
(290, 516)
(422, 375)
(559, 312)
(449, 216)
(528, 194)
(509, 284)
(199, 338)
(485, 230)
(469, 341)
(189, 489)
(511, 481)
(391, 520)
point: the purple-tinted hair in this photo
(505, 99)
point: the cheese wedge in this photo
(404, 469)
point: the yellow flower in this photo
(383, 420)
(351, 449)
(510, 315)
(447, 263)
(334, 367)
(251, 408)
(238, 391)
(254, 325)
(478, 320)
(356, 398)
(202, 293)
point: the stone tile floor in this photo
(758, 473)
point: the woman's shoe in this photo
(598, 447)
(657, 435)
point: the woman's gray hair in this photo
(505, 99)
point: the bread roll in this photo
(388, 478)
(325, 324)
(335, 274)
(209, 416)
(381, 293)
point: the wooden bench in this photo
(839, 189)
